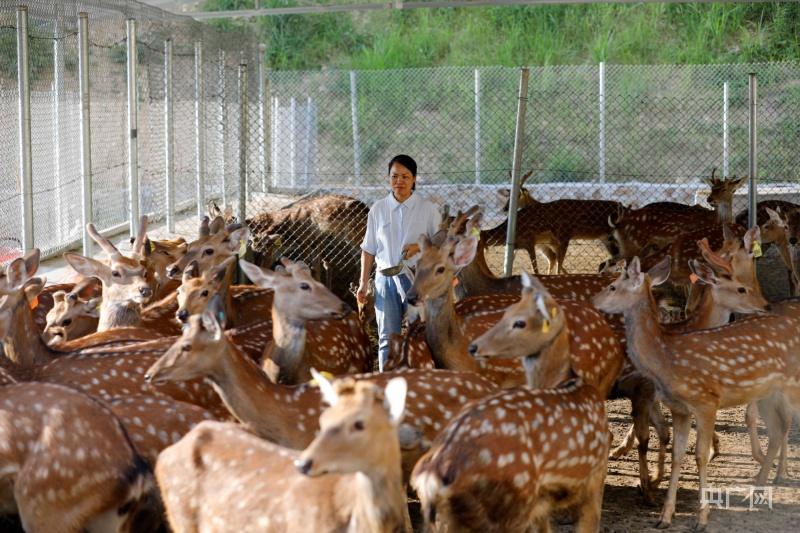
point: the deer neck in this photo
(288, 343)
(709, 313)
(553, 363)
(24, 345)
(377, 498)
(646, 346)
(444, 333)
(725, 211)
(251, 397)
(119, 315)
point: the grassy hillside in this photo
(534, 35)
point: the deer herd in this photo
(154, 392)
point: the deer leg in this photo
(778, 431)
(561, 254)
(627, 444)
(705, 434)
(680, 435)
(751, 420)
(641, 426)
(662, 430)
(590, 509)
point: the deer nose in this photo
(183, 315)
(473, 349)
(303, 465)
(146, 292)
(148, 377)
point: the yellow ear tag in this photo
(243, 248)
(554, 311)
(326, 375)
(152, 247)
(475, 232)
(757, 249)
(278, 241)
(546, 326)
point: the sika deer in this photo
(700, 372)
(75, 313)
(67, 463)
(780, 224)
(338, 345)
(214, 244)
(125, 287)
(348, 479)
(507, 462)
(288, 415)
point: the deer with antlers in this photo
(67, 462)
(546, 223)
(349, 478)
(698, 373)
(287, 415)
(504, 463)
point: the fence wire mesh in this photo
(629, 134)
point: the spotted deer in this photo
(215, 243)
(509, 461)
(348, 479)
(780, 226)
(698, 373)
(287, 415)
(448, 328)
(67, 462)
(338, 345)
(555, 224)
(75, 313)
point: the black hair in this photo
(408, 162)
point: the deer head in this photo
(215, 243)
(358, 430)
(438, 266)
(632, 286)
(75, 313)
(298, 296)
(20, 290)
(197, 289)
(124, 278)
(727, 290)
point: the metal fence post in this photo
(243, 142)
(292, 140)
(57, 93)
(307, 147)
(725, 138)
(199, 128)
(86, 137)
(133, 128)
(169, 149)
(601, 142)
(263, 166)
(274, 116)
(519, 138)
(25, 154)
(354, 118)
(477, 126)
(753, 150)
(223, 126)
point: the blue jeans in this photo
(389, 311)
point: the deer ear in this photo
(424, 242)
(191, 271)
(395, 399)
(329, 395)
(238, 237)
(774, 214)
(750, 237)
(32, 261)
(464, 251)
(634, 271)
(659, 273)
(88, 267)
(705, 274)
(504, 193)
(211, 325)
(217, 224)
(259, 276)
(59, 296)
(221, 270)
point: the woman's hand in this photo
(361, 293)
(410, 250)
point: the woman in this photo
(394, 225)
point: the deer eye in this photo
(359, 425)
(115, 274)
(612, 288)
(66, 322)
(519, 324)
(305, 286)
(440, 270)
(742, 290)
(208, 251)
(204, 293)
(186, 347)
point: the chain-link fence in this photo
(215, 126)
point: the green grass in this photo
(533, 35)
